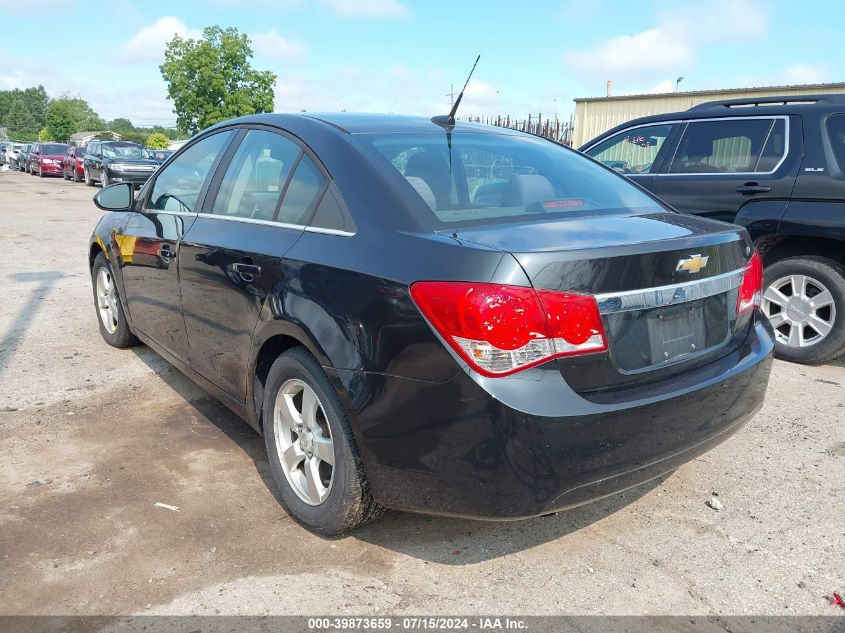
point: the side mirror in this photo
(116, 197)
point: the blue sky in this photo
(402, 55)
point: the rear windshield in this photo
(130, 152)
(80, 151)
(51, 148)
(488, 178)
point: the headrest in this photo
(524, 189)
(424, 190)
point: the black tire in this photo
(122, 336)
(88, 180)
(349, 503)
(830, 274)
(75, 176)
(104, 179)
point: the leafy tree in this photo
(20, 121)
(211, 80)
(120, 126)
(61, 122)
(157, 140)
(135, 137)
(44, 135)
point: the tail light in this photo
(751, 290)
(500, 329)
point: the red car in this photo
(72, 164)
(45, 159)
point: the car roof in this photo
(355, 123)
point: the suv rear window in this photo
(484, 177)
(836, 132)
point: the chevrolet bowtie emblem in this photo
(692, 264)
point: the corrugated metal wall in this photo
(592, 117)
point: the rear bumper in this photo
(534, 446)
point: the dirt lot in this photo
(110, 433)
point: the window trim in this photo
(686, 123)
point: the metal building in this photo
(595, 115)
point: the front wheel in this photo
(311, 449)
(104, 179)
(113, 326)
(88, 180)
(804, 300)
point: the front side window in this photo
(632, 151)
(178, 186)
(727, 146)
(256, 177)
(477, 178)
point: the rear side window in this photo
(256, 177)
(729, 146)
(836, 131)
(178, 186)
(632, 151)
(480, 177)
(301, 193)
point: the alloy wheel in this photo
(107, 300)
(304, 441)
(801, 310)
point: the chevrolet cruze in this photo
(438, 317)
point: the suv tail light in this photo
(751, 290)
(501, 329)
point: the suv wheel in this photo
(311, 449)
(112, 320)
(88, 180)
(804, 300)
(104, 179)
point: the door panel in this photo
(721, 165)
(231, 258)
(150, 243)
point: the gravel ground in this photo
(91, 438)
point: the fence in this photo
(554, 129)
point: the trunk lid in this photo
(666, 285)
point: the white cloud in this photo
(672, 45)
(148, 44)
(667, 85)
(632, 55)
(272, 45)
(385, 9)
(804, 74)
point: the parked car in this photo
(12, 152)
(160, 155)
(4, 146)
(117, 161)
(23, 157)
(775, 165)
(45, 159)
(72, 164)
(504, 344)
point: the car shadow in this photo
(443, 540)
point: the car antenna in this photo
(447, 121)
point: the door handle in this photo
(750, 188)
(248, 272)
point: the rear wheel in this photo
(75, 173)
(804, 300)
(311, 449)
(113, 326)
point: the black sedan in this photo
(456, 319)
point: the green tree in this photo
(157, 140)
(121, 125)
(60, 120)
(211, 80)
(20, 122)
